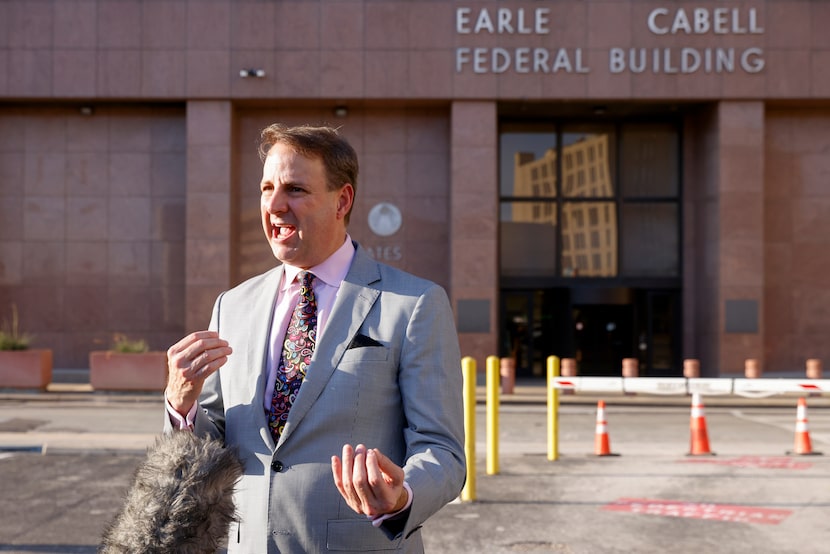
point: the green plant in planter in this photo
(125, 345)
(10, 336)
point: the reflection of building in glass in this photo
(537, 178)
(589, 229)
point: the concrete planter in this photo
(26, 369)
(110, 370)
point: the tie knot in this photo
(306, 290)
(306, 278)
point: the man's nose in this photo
(275, 203)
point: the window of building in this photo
(569, 184)
(527, 240)
(524, 152)
(651, 241)
(652, 164)
(620, 182)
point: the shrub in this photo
(10, 336)
(125, 345)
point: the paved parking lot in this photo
(749, 497)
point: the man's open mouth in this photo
(282, 231)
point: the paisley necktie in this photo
(297, 350)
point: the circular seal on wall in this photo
(385, 219)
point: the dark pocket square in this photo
(359, 341)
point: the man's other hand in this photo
(189, 362)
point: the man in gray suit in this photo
(355, 445)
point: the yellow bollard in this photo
(492, 415)
(468, 371)
(553, 409)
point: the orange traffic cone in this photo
(700, 438)
(602, 445)
(803, 446)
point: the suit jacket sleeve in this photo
(430, 381)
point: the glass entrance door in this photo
(596, 326)
(603, 336)
(659, 334)
(534, 326)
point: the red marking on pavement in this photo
(697, 510)
(764, 462)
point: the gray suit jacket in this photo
(403, 397)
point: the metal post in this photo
(492, 415)
(468, 371)
(553, 409)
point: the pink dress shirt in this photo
(328, 276)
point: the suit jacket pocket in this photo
(358, 535)
(360, 341)
(365, 354)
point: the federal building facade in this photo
(591, 179)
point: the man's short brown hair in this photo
(338, 156)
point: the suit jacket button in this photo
(276, 465)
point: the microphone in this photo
(180, 498)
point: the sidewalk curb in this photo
(60, 392)
(532, 394)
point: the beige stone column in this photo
(208, 219)
(740, 256)
(474, 225)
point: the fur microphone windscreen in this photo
(180, 499)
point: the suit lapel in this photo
(353, 303)
(261, 316)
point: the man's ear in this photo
(345, 199)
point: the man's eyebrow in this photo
(293, 183)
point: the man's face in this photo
(303, 220)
